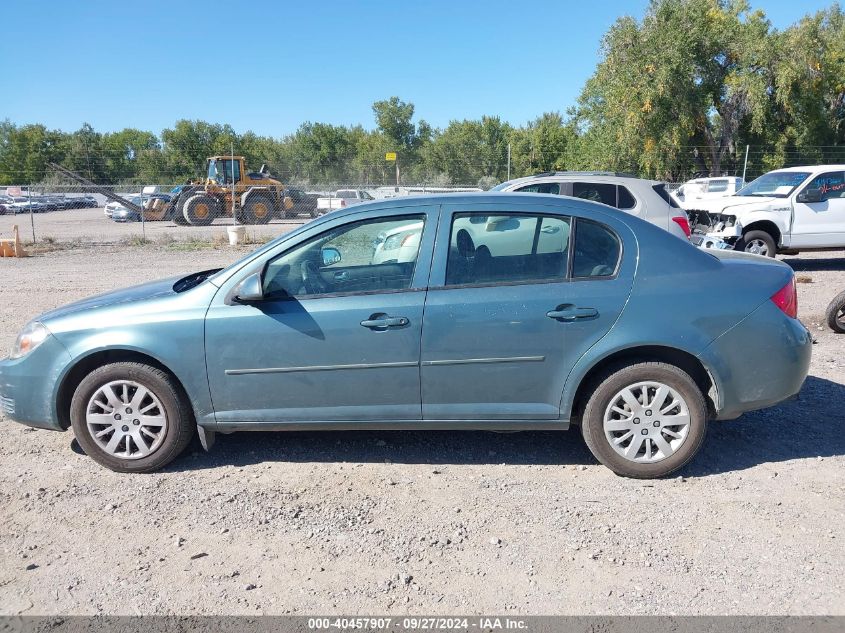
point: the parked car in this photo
(646, 199)
(342, 198)
(86, 201)
(302, 202)
(784, 211)
(691, 192)
(124, 214)
(120, 213)
(606, 331)
(25, 204)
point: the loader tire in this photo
(200, 209)
(258, 210)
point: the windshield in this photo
(778, 184)
(501, 186)
(212, 171)
(346, 193)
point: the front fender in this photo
(169, 330)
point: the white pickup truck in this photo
(341, 199)
(784, 211)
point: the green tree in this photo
(810, 80)
(394, 122)
(692, 73)
(26, 151)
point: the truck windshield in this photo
(777, 184)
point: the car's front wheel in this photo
(645, 420)
(130, 417)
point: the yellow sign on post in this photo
(390, 156)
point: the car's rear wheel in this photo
(759, 243)
(131, 417)
(645, 420)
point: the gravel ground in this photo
(422, 522)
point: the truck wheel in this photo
(836, 313)
(200, 209)
(258, 210)
(759, 243)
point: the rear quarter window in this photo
(597, 250)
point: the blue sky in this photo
(118, 64)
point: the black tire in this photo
(258, 209)
(753, 241)
(201, 209)
(606, 389)
(178, 433)
(835, 313)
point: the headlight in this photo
(31, 337)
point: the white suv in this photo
(646, 199)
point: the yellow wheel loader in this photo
(228, 189)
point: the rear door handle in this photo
(382, 322)
(572, 313)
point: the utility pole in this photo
(509, 161)
(745, 166)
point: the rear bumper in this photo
(28, 385)
(760, 362)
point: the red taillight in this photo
(342, 202)
(683, 222)
(787, 299)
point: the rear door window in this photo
(486, 249)
(542, 187)
(595, 191)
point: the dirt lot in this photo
(437, 522)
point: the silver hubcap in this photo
(757, 247)
(126, 419)
(646, 422)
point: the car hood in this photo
(731, 204)
(143, 292)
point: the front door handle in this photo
(382, 322)
(570, 312)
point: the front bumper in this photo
(28, 385)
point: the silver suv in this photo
(646, 199)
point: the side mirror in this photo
(250, 289)
(330, 256)
(810, 195)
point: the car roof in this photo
(562, 176)
(520, 200)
